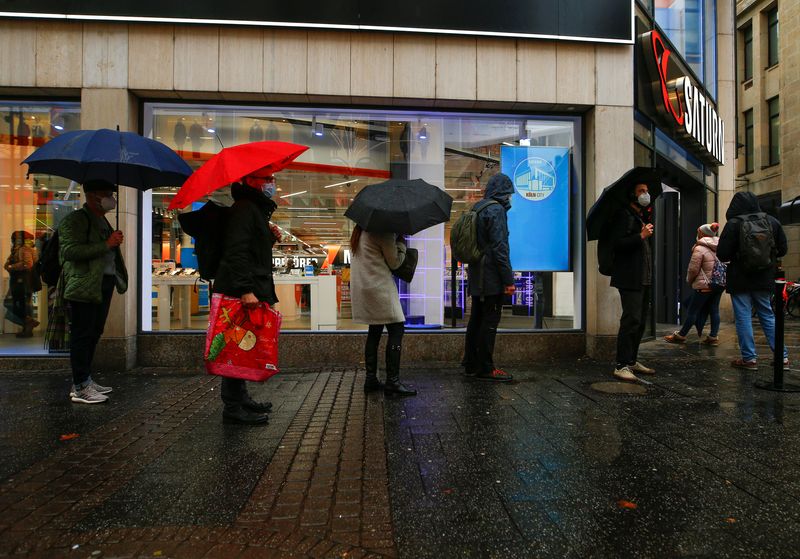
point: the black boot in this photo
(393, 384)
(372, 383)
(242, 416)
(258, 407)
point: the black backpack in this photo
(207, 225)
(49, 263)
(756, 242)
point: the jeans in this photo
(699, 304)
(743, 304)
(481, 334)
(87, 322)
(635, 306)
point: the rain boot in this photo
(393, 384)
(372, 383)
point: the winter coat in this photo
(739, 280)
(246, 264)
(495, 266)
(625, 233)
(373, 292)
(701, 264)
(83, 249)
(20, 267)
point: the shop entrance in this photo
(679, 211)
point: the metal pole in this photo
(777, 383)
(453, 289)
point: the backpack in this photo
(756, 242)
(49, 266)
(207, 225)
(464, 235)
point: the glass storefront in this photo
(32, 207)
(350, 149)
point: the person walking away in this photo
(245, 271)
(490, 280)
(632, 275)
(751, 243)
(23, 282)
(705, 297)
(92, 267)
(375, 301)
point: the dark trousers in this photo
(394, 343)
(87, 322)
(481, 334)
(635, 306)
(233, 392)
(702, 305)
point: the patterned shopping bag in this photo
(242, 343)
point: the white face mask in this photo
(108, 203)
(268, 188)
(644, 199)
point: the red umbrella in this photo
(233, 163)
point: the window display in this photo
(348, 150)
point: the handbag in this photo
(242, 343)
(406, 270)
(719, 275)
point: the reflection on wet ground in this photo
(563, 462)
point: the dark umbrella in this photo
(617, 195)
(118, 157)
(400, 206)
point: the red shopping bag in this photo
(242, 343)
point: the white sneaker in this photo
(99, 388)
(639, 368)
(626, 374)
(88, 395)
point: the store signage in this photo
(610, 21)
(538, 221)
(681, 102)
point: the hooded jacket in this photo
(739, 280)
(629, 249)
(246, 265)
(701, 264)
(495, 267)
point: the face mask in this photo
(108, 203)
(268, 188)
(644, 199)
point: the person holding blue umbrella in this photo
(93, 268)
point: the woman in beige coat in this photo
(705, 298)
(375, 301)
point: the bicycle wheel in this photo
(793, 303)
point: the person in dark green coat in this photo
(245, 271)
(92, 268)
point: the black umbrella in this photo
(400, 206)
(617, 195)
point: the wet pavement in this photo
(698, 463)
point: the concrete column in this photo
(107, 108)
(609, 154)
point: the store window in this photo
(350, 149)
(32, 207)
(747, 52)
(749, 147)
(772, 37)
(774, 111)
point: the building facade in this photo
(768, 77)
(564, 113)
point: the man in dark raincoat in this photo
(750, 288)
(489, 281)
(245, 271)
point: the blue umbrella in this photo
(118, 157)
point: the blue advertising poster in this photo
(538, 221)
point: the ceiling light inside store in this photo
(212, 131)
(524, 141)
(340, 183)
(294, 194)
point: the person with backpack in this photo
(629, 235)
(707, 289)
(751, 243)
(490, 275)
(245, 272)
(92, 267)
